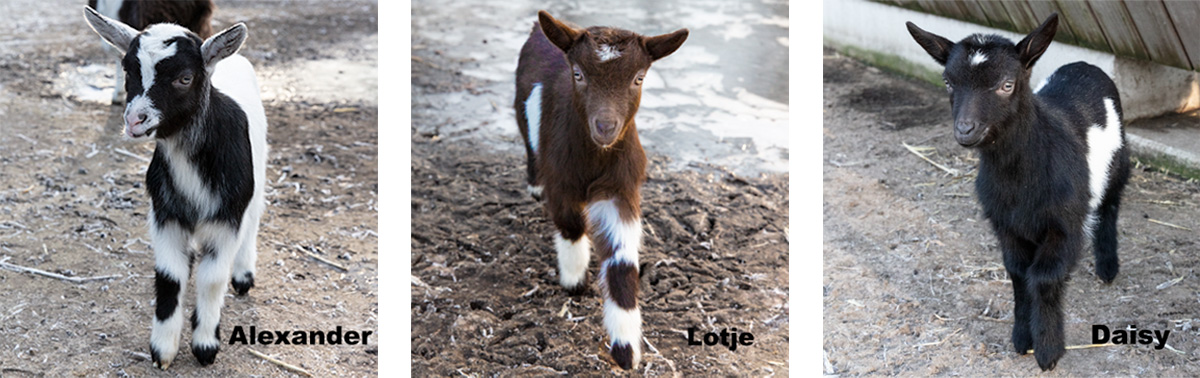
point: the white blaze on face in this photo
(152, 49)
(607, 52)
(978, 57)
(1103, 141)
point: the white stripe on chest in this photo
(1103, 141)
(533, 115)
(187, 179)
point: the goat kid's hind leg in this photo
(247, 257)
(617, 239)
(172, 265)
(1104, 242)
(218, 248)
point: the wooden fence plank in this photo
(1158, 33)
(1185, 16)
(1087, 31)
(1118, 28)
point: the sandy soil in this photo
(486, 301)
(72, 202)
(913, 280)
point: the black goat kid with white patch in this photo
(1052, 165)
(200, 102)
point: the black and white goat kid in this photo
(200, 102)
(1052, 165)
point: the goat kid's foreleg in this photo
(1018, 254)
(172, 265)
(218, 243)
(1045, 280)
(573, 248)
(616, 231)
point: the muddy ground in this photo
(486, 299)
(913, 280)
(72, 199)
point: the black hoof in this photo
(205, 354)
(622, 354)
(241, 287)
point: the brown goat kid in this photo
(577, 93)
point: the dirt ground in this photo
(486, 299)
(913, 280)
(72, 202)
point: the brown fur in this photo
(588, 148)
(195, 15)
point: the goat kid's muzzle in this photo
(605, 130)
(969, 133)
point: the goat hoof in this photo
(577, 290)
(1047, 357)
(242, 286)
(623, 355)
(158, 359)
(205, 354)
(1107, 272)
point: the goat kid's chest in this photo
(175, 176)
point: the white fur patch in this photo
(605, 219)
(1103, 141)
(607, 52)
(534, 190)
(573, 259)
(533, 115)
(624, 327)
(978, 57)
(170, 243)
(1042, 84)
(187, 179)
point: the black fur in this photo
(241, 287)
(166, 291)
(1033, 172)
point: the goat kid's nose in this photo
(965, 127)
(135, 119)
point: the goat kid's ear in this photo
(937, 46)
(114, 32)
(223, 44)
(1034, 44)
(660, 46)
(558, 32)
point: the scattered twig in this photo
(1170, 283)
(21, 269)
(1071, 347)
(322, 259)
(122, 151)
(285, 365)
(939, 342)
(915, 151)
(530, 292)
(1168, 224)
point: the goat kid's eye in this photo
(578, 74)
(949, 88)
(185, 80)
(1007, 87)
(638, 81)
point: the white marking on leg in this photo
(624, 327)
(573, 259)
(170, 243)
(533, 115)
(1103, 141)
(978, 57)
(607, 52)
(626, 237)
(212, 278)
(534, 190)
